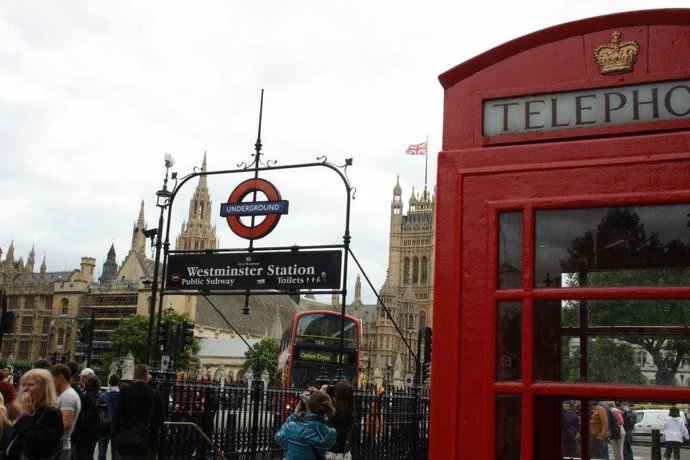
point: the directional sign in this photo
(257, 270)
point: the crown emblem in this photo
(617, 57)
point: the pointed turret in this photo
(413, 201)
(9, 260)
(357, 302)
(109, 267)
(197, 232)
(396, 203)
(358, 288)
(138, 237)
(29, 268)
(202, 179)
(9, 263)
(44, 267)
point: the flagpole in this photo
(426, 160)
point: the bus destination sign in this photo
(322, 356)
(257, 270)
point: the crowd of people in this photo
(59, 412)
(611, 429)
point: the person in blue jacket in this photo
(305, 434)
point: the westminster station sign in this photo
(622, 105)
(256, 270)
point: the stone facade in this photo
(407, 291)
(45, 305)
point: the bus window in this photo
(322, 329)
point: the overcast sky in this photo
(94, 93)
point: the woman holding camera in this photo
(305, 434)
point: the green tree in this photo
(609, 361)
(265, 356)
(619, 253)
(132, 335)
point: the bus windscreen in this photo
(322, 329)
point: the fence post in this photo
(416, 392)
(257, 389)
(656, 445)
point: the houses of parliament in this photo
(50, 306)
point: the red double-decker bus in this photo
(310, 349)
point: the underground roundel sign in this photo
(272, 208)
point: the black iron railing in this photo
(241, 420)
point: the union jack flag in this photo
(417, 149)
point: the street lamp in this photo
(410, 331)
(162, 201)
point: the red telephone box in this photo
(563, 240)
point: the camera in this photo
(303, 398)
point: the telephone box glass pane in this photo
(508, 416)
(509, 341)
(510, 250)
(628, 341)
(613, 246)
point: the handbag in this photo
(134, 438)
(16, 444)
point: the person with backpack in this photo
(110, 398)
(629, 421)
(88, 426)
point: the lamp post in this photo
(163, 199)
(410, 330)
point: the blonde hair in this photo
(49, 397)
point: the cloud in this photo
(93, 94)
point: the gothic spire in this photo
(202, 179)
(31, 261)
(138, 237)
(109, 267)
(198, 232)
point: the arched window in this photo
(406, 271)
(415, 271)
(64, 306)
(425, 270)
(422, 319)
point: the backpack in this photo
(104, 417)
(88, 425)
(629, 420)
(107, 410)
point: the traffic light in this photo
(427, 344)
(186, 334)
(85, 331)
(163, 333)
(426, 371)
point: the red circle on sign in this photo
(271, 220)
